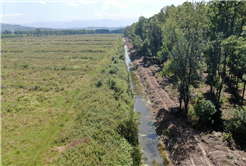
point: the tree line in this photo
(193, 38)
(39, 32)
(196, 38)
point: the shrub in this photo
(237, 125)
(122, 57)
(228, 138)
(129, 130)
(25, 66)
(99, 83)
(165, 132)
(205, 110)
(113, 70)
(111, 83)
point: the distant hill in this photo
(73, 25)
(78, 24)
(11, 27)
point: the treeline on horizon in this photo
(196, 38)
(39, 32)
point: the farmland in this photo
(67, 100)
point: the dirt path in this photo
(184, 145)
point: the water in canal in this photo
(147, 136)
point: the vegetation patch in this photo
(54, 113)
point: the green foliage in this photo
(228, 138)
(63, 97)
(25, 66)
(45, 32)
(192, 38)
(205, 110)
(111, 83)
(237, 125)
(113, 69)
(168, 69)
(99, 83)
(129, 130)
(165, 132)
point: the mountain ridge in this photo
(83, 23)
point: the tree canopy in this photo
(194, 38)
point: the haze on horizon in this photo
(28, 13)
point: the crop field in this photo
(66, 100)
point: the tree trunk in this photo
(231, 80)
(222, 76)
(180, 104)
(219, 65)
(243, 94)
(220, 90)
(186, 100)
(236, 86)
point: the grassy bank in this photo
(67, 100)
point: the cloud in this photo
(43, 2)
(74, 4)
(115, 4)
(11, 15)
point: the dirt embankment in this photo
(185, 145)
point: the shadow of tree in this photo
(235, 98)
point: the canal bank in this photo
(184, 145)
(152, 149)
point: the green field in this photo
(67, 100)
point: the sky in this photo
(23, 12)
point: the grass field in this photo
(67, 100)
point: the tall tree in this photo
(186, 55)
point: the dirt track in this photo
(185, 146)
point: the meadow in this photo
(67, 100)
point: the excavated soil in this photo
(185, 146)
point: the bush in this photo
(122, 57)
(205, 110)
(237, 125)
(228, 138)
(113, 70)
(25, 66)
(111, 83)
(99, 83)
(129, 130)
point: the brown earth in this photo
(185, 145)
(73, 143)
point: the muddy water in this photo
(148, 137)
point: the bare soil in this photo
(185, 145)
